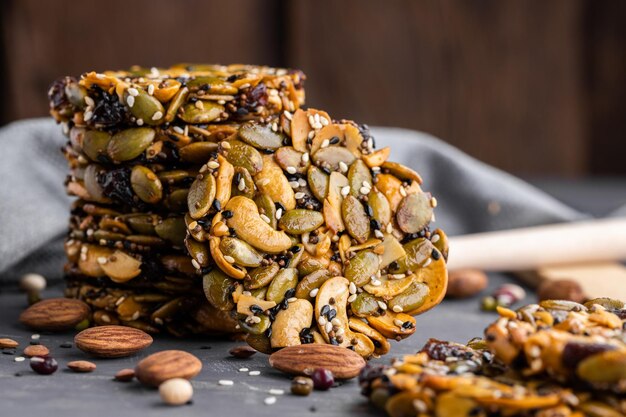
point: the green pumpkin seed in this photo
(331, 156)
(198, 251)
(218, 288)
(146, 185)
(381, 210)
(76, 94)
(261, 276)
(310, 282)
(294, 261)
(201, 113)
(176, 201)
(146, 107)
(285, 280)
(418, 251)
(142, 223)
(145, 240)
(608, 367)
(201, 195)
(256, 328)
(243, 155)
(198, 152)
(361, 267)
(95, 144)
(108, 235)
(175, 176)
(355, 218)
(92, 185)
(412, 298)
(414, 212)
(309, 265)
(260, 342)
(259, 293)
(130, 143)
(267, 208)
(291, 161)
(175, 103)
(211, 85)
(608, 303)
(299, 221)
(364, 305)
(564, 305)
(168, 309)
(173, 230)
(318, 182)
(359, 176)
(243, 184)
(260, 136)
(240, 251)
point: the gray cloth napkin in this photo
(34, 209)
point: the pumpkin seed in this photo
(198, 152)
(364, 305)
(220, 260)
(120, 266)
(435, 276)
(361, 267)
(291, 160)
(205, 112)
(414, 212)
(285, 280)
(267, 209)
(381, 211)
(243, 155)
(240, 251)
(318, 182)
(377, 158)
(418, 251)
(95, 144)
(261, 276)
(605, 367)
(310, 282)
(332, 156)
(146, 108)
(176, 200)
(224, 180)
(608, 303)
(173, 230)
(359, 178)
(144, 240)
(410, 299)
(198, 251)
(176, 102)
(146, 185)
(272, 181)
(92, 185)
(243, 184)
(355, 218)
(176, 175)
(299, 221)
(201, 195)
(309, 264)
(214, 85)
(256, 328)
(130, 143)
(165, 90)
(260, 136)
(167, 310)
(217, 288)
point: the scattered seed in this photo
(225, 382)
(270, 400)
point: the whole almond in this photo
(304, 359)
(464, 283)
(36, 350)
(242, 352)
(55, 314)
(165, 365)
(112, 341)
(562, 289)
(125, 375)
(8, 344)
(81, 366)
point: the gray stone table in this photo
(96, 394)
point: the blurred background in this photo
(533, 87)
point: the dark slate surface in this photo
(96, 394)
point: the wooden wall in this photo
(534, 87)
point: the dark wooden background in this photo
(535, 87)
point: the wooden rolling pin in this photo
(587, 253)
(536, 247)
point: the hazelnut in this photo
(563, 289)
(465, 283)
(176, 391)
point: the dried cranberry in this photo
(109, 111)
(44, 365)
(323, 379)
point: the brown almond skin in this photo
(563, 289)
(125, 375)
(112, 341)
(36, 350)
(81, 366)
(165, 365)
(242, 352)
(55, 314)
(304, 359)
(464, 283)
(8, 343)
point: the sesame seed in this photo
(255, 319)
(311, 121)
(402, 191)
(133, 91)
(275, 391)
(151, 89)
(364, 190)
(433, 202)
(291, 170)
(294, 184)
(243, 369)
(343, 167)
(139, 122)
(270, 400)
(325, 143)
(328, 327)
(229, 259)
(178, 130)
(376, 169)
(292, 300)
(213, 164)
(302, 182)
(242, 185)
(254, 373)
(279, 213)
(157, 115)
(225, 382)
(246, 293)
(264, 181)
(339, 331)
(428, 262)
(352, 288)
(105, 318)
(376, 283)
(321, 321)
(225, 145)
(382, 305)
(324, 121)
(244, 86)
(130, 100)
(352, 298)
(313, 292)
(288, 115)
(87, 115)
(345, 190)
(435, 238)
(336, 322)
(379, 234)
(397, 309)
(389, 228)
(199, 105)
(89, 101)
(316, 117)
(305, 157)
(265, 218)
(102, 260)
(396, 276)
(19, 359)
(311, 134)
(275, 127)
(35, 336)
(195, 264)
